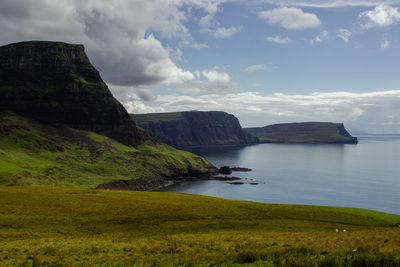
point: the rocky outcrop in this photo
(196, 129)
(55, 83)
(225, 170)
(305, 132)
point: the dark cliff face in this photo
(55, 83)
(196, 129)
(305, 132)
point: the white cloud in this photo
(278, 39)
(215, 76)
(211, 8)
(344, 34)
(320, 37)
(253, 68)
(207, 81)
(123, 38)
(290, 18)
(222, 32)
(374, 112)
(209, 24)
(332, 3)
(381, 16)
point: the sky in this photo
(265, 61)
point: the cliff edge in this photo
(55, 83)
(195, 128)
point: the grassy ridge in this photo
(92, 227)
(36, 154)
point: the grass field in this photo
(69, 227)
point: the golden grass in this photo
(66, 227)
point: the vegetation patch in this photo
(75, 227)
(40, 155)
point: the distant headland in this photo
(305, 132)
(216, 128)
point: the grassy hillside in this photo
(74, 227)
(36, 154)
(306, 132)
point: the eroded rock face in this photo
(196, 129)
(55, 83)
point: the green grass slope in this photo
(40, 155)
(305, 132)
(40, 226)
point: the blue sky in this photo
(264, 61)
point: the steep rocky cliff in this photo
(305, 132)
(59, 126)
(55, 83)
(196, 129)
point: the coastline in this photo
(156, 183)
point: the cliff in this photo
(60, 126)
(306, 132)
(55, 83)
(195, 129)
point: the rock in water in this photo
(225, 170)
(55, 83)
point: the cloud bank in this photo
(122, 37)
(376, 112)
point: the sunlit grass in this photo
(92, 227)
(35, 154)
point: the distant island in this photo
(304, 132)
(190, 129)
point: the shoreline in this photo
(156, 183)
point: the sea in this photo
(366, 175)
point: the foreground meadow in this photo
(66, 227)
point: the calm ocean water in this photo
(366, 175)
